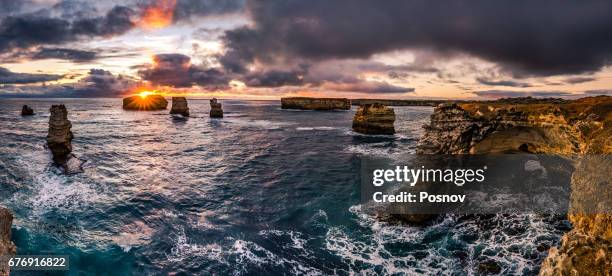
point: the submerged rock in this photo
(59, 140)
(215, 109)
(307, 103)
(27, 111)
(374, 119)
(147, 103)
(179, 106)
(7, 247)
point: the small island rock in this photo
(374, 119)
(179, 106)
(146, 103)
(215, 109)
(306, 103)
(27, 111)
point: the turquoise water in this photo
(261, 191)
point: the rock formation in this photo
(179, 106)
(374, 119)
(27, 111)
(146, 103)
(306, 103)
(7, 248)
(582, 126)
(215, 109)
(59, 140)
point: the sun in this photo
(144, 94)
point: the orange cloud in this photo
(158, 15)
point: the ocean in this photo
(263, 191)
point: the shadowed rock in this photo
(147, 103)
(27, 111)
(7, 248)
(179, 106)
(374, 119)
(59, 140)
(215, 109)
(307, 103)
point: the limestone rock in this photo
(216, 111)
(59, 140)
(307, 103)
(7, 248)
(374, 119)
(27, 111)
(582, 126)
(147, 103)
(179, 106)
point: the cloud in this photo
(576, 80)
(8, 77)
(526, 38)
(368, 87)
(510, 94)
(28, 30)
(510, 83)
(187, 9)
(176, 70)
(64, 53)
(599, 92)
(97, 83)
(274, 78)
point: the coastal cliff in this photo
(147, 103)
(306, 103)
(582, 126)
(7, 248)
(59, 140)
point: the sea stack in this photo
(374, 119)
(145, 103)
(306, 103)
(215, 109)
(27, 111)
(7, 247)
(179, 106)
(59, 140)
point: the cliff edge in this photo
(582, 126)
(307, 103)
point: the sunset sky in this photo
(342, 48)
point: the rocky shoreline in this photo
(7, 247)
(582, 126)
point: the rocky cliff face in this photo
(27, 111)
(179, 106)
(59, 140)
(306, 103)
(583, 126)
(7, 248)
(374, 119)
(216, 111)
(150, 102)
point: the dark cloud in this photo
(576, 80)
(599, 92)
(368, 87)
(187, 9)
(176, 70)
(510, 83)
(64, 53)
(27, 30)
(97, 83)
(511, 94)
(274, 78)
(525, 37)
(8, 77)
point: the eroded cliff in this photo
(307, 103)
(582, 126)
